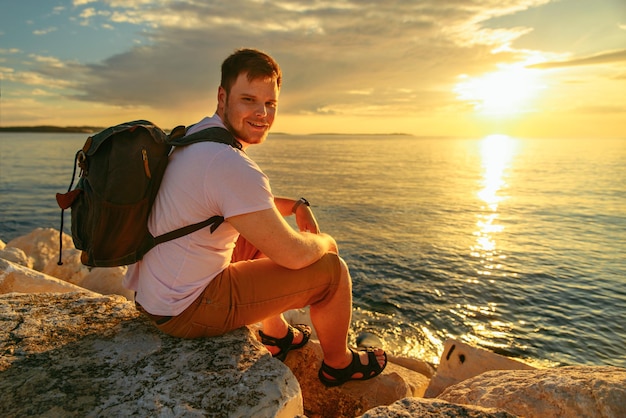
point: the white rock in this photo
(107, 281)
(432, 408)
(72, 270)
(75, 355)
(17, 278)
(42, 245)
(17, 256)
(460, 361)
(573, 391)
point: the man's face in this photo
(249, 109)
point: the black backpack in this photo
(121, 171)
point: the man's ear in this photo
(222, 96)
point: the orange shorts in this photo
(252, 289)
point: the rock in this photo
(108, 281)
(2, 245)
(72, 270)
(42, 245)
(17, 256)
(353, 398)
(460, 361)
(367, 339)
(432, 408)
(75, 354)
(41, 248)
(420, 366)
(573, 391)
(17, 278)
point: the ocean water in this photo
(514, 245)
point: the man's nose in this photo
(261, 110)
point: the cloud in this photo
(40, 92)
(87, 13)
(601, 109)
(44, 31)
(602, 58)
(404, 55)
(33, 78)
(51, 62)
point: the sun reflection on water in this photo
(497, 152)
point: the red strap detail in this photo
(65, 200)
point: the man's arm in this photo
(268, 231)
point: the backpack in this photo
(121, 171)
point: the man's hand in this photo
(306, 220)
(304, 215)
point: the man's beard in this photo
(238, 134)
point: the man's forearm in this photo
(284, 205)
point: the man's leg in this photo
(332, 318)
(275, 326)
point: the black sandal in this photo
(341, 376)
(285, 343)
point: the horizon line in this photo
(96, 129)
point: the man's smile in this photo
(259, 125)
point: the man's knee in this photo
(339, 269)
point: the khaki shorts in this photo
(252, 289)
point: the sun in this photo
(506, 92)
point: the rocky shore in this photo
(72, 344)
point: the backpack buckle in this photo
(81, 158)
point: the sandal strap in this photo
(281, 343)
(340, 376)
(372, 365)
(285, 344)
(305, 330)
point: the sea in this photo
(514, 245)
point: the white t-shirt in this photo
(202, 180)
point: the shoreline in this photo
(51, 129)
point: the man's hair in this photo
(254, 62)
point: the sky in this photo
(469, 68)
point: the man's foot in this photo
(297, 336)
(356, 370)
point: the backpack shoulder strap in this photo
(213, 134)
(177, 138)
(214, 221)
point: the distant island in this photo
(362, 134)
(45, 128)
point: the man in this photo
(254, 266)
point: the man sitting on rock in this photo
(254, 266)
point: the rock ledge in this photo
(73, 354)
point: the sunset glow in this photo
(507, 92)
(523, 68)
